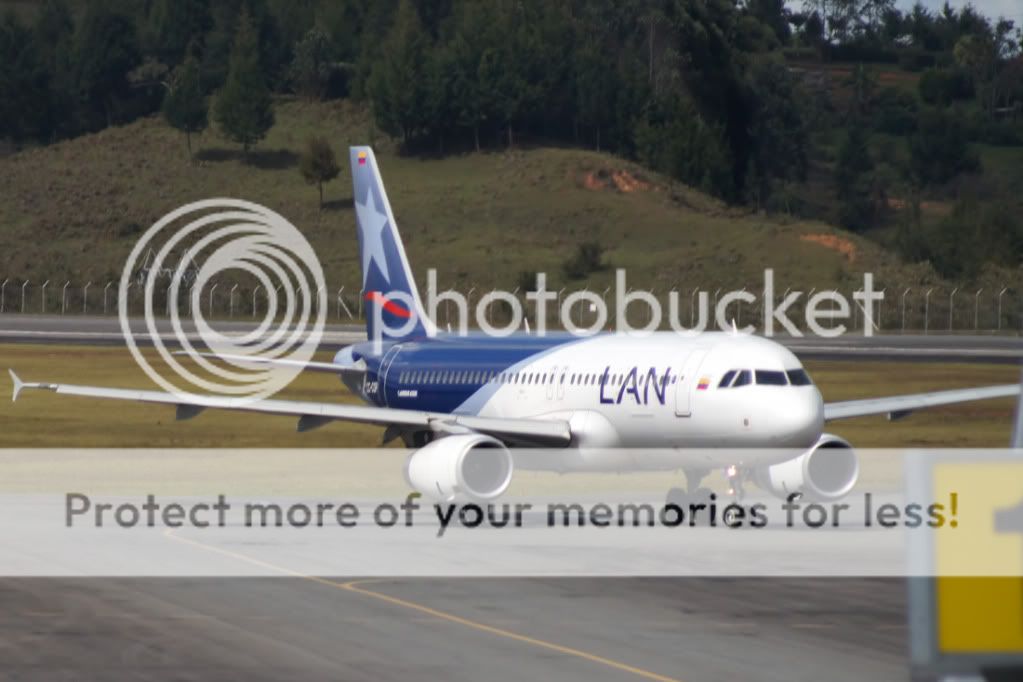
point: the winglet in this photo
(18, 384)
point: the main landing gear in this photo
(701, 506)
(693, 494)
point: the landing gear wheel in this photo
(732, 516)
(699, 507)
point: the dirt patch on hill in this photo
(619, 180)
(833, 242)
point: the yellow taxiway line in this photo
(356, 587)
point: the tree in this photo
(24, 89)
(106, 49)
(184, 106)
(854, 180)
(774, 14)
(397, 85)
(595, 88)
(244, 108)
(779, 136)
(318, 163)
(311, 67)
(176, 24)
(939, 150)
(53, 35)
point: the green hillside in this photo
(73, 210)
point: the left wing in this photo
(543, 432)
(899, 406)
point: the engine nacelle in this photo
(825, 472)
(472, 466)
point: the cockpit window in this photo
(768, 377)
(742, 378)
(727, 378)
(798, 377)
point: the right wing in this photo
(901, 405)
(536, 432)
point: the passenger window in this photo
(743, 378)
(798, 377)
(727, 378)
(767, 377)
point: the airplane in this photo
(474, 407)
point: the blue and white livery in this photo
(594, 403)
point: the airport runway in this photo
(692, 630)
(93, 330)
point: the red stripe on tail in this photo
(389, 306)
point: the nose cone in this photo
(797, 420)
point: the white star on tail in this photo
(371, 227)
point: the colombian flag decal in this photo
(703, 384)
(362, 158)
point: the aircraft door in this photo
(685, 386)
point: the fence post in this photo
(3, 294)
(23, 285)
(254, 292)
(951, 307)
(1000, 294)
(105, 289)
(908, 289)
(927, 309)
(63, 297)
(212, 289)
(976, 309)
(42, 303)
(880, 310)
(230, 302)
(85, 297)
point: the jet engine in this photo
(825, 472)
(472, 466)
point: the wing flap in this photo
(899, 406)
(358, 369)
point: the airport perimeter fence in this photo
(908, 309)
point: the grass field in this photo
(74, 210)
(41, 419)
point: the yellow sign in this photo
(980, 614)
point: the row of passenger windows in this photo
(734, 378)
(540, 378)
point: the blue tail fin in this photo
(394, 310)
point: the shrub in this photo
(587, 259)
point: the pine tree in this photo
(318, 163)
(311, 67)
(398, 83)
(184, 106)
(244, 108)
(854, 178)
